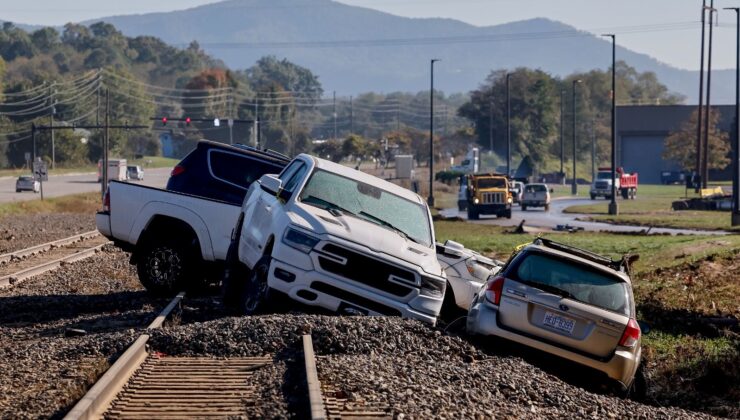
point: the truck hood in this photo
(365, 234)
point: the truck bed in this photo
(133, 207)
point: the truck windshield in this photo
(604, 175)
(370, 203)
(491, 183)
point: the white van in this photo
(117, 170)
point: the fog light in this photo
(285, 276)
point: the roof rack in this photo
(623, 263)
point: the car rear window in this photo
(583, 283)
(238, 170)
(535, 188)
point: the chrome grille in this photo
(493, 198)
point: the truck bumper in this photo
(102, 220)
(492, 208)
(316, 288)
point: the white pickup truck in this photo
(174, 237)
(329, 236)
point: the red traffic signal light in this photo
(164, 120)
(187, 121)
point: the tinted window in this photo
(237, 170)
(296, 177)
(582, 282)
(492, 183)
(535, 188)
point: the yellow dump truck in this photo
(489, 194)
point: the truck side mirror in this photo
(270, 183)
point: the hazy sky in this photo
(660, 28)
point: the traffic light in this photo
(164, 120)
(187, 121)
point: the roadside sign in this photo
(40, 171)
(27, 156)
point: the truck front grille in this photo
(366, 270)
(602, 185)
(493, 198)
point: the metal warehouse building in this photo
(641, 133)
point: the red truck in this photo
(602, 185)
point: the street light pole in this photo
(508, 124)
(430, 199)
(700, 110)
(736, 155)
(613, 206)
(705, 157)
(574, 185)
(562, 140)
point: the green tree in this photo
(329, 149)
(680, 146)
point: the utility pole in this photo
(593, 150)
(574, 186)
(613, 206)
(490, 126)
(700, 110)
(705, 157)
(398, 117)
(430, 199)
(508, 124)
(736, 152)
(106, 139)
(51, 123)
(256, 122)
(562, 140)
(97, 109)
(351, 117)
(33, 137)
(335, 115)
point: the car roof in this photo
(363, 177)
(247, 150)
(548, 250)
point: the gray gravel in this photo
(23, 231)
(416, 371)
(42, 371)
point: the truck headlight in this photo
(301, 241)
(475, 200)
(510, 200)
(433, 287)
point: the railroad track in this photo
(18, 266)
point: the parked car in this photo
(466, 272)
(568, 302)
(135, 172)
(27, 183)
(179, 239)
(222, 172)
(330, 236)
(536, 195)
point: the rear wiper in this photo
(551, 289)
(382, 222)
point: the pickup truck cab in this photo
(179, 237)
(536, 195)
(329, 236)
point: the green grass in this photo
(76, 203)
(652, 207)
(154, 162)
(656, 251)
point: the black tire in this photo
(472, 213)
(593, 196)
(167, 266)
(256, 296)
(17, 190)
(450, 311)
(634, 193)
(507, 214)
(524, 207)
(638, 388)
(547, 207)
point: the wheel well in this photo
(169, 227)
(268, 247)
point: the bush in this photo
(448, 177)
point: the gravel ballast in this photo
(22, 231)
(43, 369)
(416, 371)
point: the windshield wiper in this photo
(332, 208)
(551, 289)
(382, 222)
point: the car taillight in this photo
(494, 288)
(631, 334)
(177, 170)
(106, 200)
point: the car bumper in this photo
(315, 288)
(621, 367)
(601, 192)
(535, 203)
(492, 208)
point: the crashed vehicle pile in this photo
(324, 235)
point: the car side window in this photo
(239, 171)
(296, 177)
(289, 171)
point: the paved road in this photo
(75, 183)
(538, 218)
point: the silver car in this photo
(466, 271)
(567, 302)
(27, 183)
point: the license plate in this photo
(558, 322)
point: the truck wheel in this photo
(507, 214)
(235, 278)
(256, 296)
(634, 193)
(524, 207)
(472, 213)
(450, 311)
(625, 193)
(593, 196)
(164, 266)
(547, 207)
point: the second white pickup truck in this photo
(329, 236)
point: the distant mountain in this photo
(355, 49)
